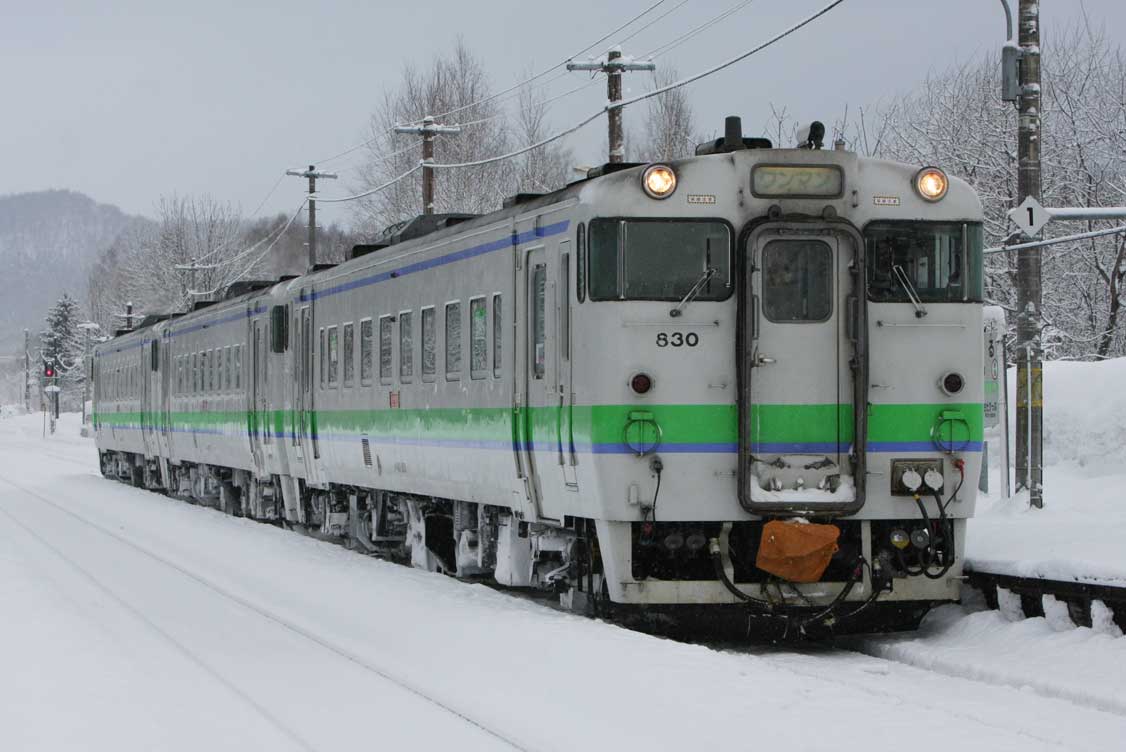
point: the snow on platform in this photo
(1080, 534)
(133, 622)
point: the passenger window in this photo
(539, 312)
(386, 333)
(349, 360)
(238, 366)
(365, 352)
(321, 350)
(498, 334)
(195, 372)
(429, 345)
(478, 338)
(406, 346)
(333, 356)
(453, 341)
(204, 372)
(230, 367)
(797, 281)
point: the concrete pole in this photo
(1029, 345)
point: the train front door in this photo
(798, 358)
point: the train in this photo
(744, 383)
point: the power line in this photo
(377, 189)
(667, 46)
(727, 63)
(641, 97)
(670, 11)
(545, 71)
(230, 280)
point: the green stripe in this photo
(597, 424)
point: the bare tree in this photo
(452, 82)
(956, 120)
(670, 130)
(544, 169)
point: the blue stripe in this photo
(606, 448)
(512, 241)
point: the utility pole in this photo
(312, 174)
(427, 130)
(191, 268)
(1029, 346)
(26, 372)
(128, 316)
(613, 67)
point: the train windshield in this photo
(939, 262)
(643, 259)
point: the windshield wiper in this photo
(705, 278)
(905, 282)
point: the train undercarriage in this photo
(489, 544)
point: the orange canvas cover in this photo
(796, 551)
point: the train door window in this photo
(797, 281)
(333, 356)
(478, 338)
(565, 306)
(238, 366)
(539, 314)
(498, 334)
(321, 351)
(195, 373)
(406, 347)
(429, 345)
(228, 383)
(453, 341)
(204, 372)
(349, 355)
(220, 370)
(306, 349)
(580, 263)
(213, 366)
(365, 352)
(386, 356)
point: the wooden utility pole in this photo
(312, 175)
(1029, 346)
(613, 67)
(427, 130)
(26, 372)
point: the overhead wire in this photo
(514, 87)
(662, 49)
(647, 95)
(231, 280)
(545, 71)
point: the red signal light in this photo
(49, 372)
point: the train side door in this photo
(537, 401)
(796, 408)
(303, 353)
(255, 418)
(149, 351)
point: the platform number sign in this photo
(1030, 216)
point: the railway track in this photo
(1083, 599)
(263, 613)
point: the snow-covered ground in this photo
(1081, 531)
(133, 622)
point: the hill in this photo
(48, 242)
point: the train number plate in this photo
(677, 339)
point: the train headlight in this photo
(659, 181)
(931, 183)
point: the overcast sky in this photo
(126, 100)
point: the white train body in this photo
(476, 396)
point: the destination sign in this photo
(804, 181)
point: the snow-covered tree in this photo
(957, 120)
(670, 131)
(61, 344)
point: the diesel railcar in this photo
(634, 391)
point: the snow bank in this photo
(1081, 532)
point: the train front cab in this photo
(856, 359)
